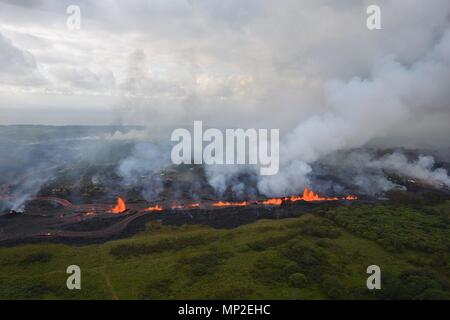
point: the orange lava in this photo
(185, 206)
(272, 202)
(308, 195)
(230, 204)
(120, 206)
(154, 208)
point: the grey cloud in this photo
(82, 77)
(14, 60)
(265, 63)
(17, 66)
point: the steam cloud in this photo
(363, 109)
(142, 167)
(330, 86)
(422, 168)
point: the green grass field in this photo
(322, 255)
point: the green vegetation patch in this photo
(320, 255)
(126, 251)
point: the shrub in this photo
(269, 270)
(321, 231)
(298, 280)
(40, 257)
(157, 290)
(415, 284)
(263, 244)
(205, 263)
(400, 197)
(311, 260)
(291, 267)
(333, 287)
(125, 251)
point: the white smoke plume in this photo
(363, 109)
(142, 168)
(310, 68)
(421, 169)
(369, 172)
(35, 178)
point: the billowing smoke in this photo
(143, 166)
(361, 110)
(368, 172)
(25, 168)
(240, 180)
(34, 178)
(422, 168)
(328, 84)
(38, 158)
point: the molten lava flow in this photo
(230, 204)
(309, 195)
(120, 206)
(272, 202)
(154, 208)
(293, 198)
(185, 206)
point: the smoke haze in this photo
(309, 68)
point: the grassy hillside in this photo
(323, 255)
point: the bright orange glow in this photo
(272, 202)
(186, 206)
(119, 207)
(293, 198)
(230, 204)
(309, 195)
(154, 208)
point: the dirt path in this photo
(109, 284)
(103, 271)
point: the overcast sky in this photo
(240, 62)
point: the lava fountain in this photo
(120, 206)
(307, 195)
